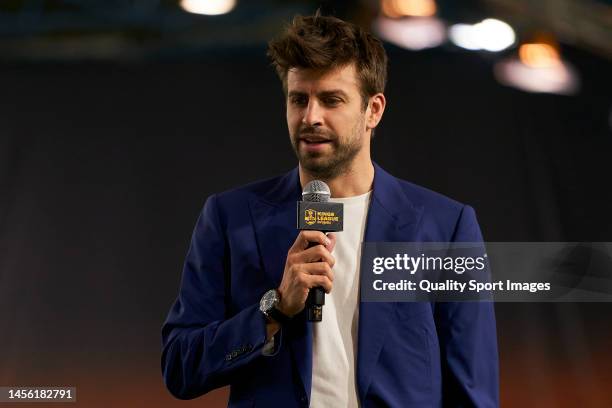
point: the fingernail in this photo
(327, 241)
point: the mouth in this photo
(314, 140)
(315, 144)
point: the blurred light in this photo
(531, 74)
(539, 55)
(411, 8)
(489, 35)
(464, 36)
(415, 33)
(208, 7)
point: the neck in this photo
(357, 180)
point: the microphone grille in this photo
(316, 191)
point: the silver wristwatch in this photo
(268, 304)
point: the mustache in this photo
(313, 133)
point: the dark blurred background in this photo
(119, 118)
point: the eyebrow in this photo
(332, 92)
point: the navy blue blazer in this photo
(410, 354)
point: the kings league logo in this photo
(310, 217)
(320, 216)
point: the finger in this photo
(332, 238)
(319, 268)
(319, 280)
(317, 253)
(305, 237)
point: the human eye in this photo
(299, 100)
(332, 101)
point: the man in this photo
(245, 247)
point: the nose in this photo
(313, 115)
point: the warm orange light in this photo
(412, 8)
(539, 55)
(389, 9)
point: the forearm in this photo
(197, 359)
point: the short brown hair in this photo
(325, 42)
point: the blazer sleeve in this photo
(202, 347)
(468, 340)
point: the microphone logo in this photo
(310, 217)
(320, 216)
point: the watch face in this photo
(268, 300)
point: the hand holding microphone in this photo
(315, 212)
(308, 271)
(307, 266)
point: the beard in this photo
(333, 162)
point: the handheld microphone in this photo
(315, 212)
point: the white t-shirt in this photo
(334, 345)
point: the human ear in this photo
(375, 110)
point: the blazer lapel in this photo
(274, 219)
(391, 218)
